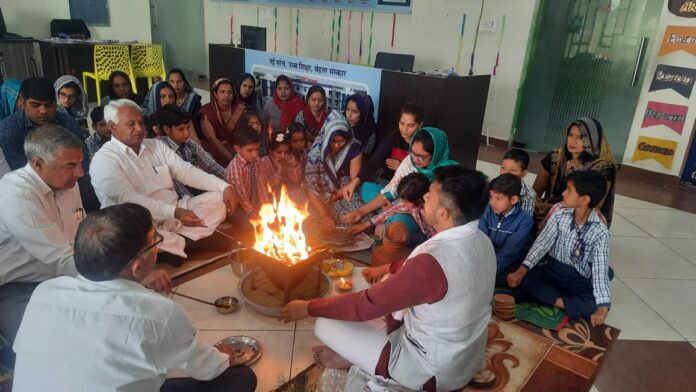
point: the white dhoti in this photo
(208, 206)
(360, 343)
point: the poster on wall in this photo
(679, 38)
(689, 173)
(679, 79)
(683, 8)
(660, 150)
(671, 116)
(339, 80)
(390, 6)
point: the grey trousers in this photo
(14, 298)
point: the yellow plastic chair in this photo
(148, 62)
(107, 59)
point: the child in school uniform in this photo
(508, 227)
(102, 132)
(516, 161)
(568, 264)
(245, 172)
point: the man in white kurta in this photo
(41, 209)
(131, 169)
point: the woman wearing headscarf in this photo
(9, 92)
(335, 157)
(360, 113)
(119, 87)
(219, 118)
(280, 111)
(71, 99)
(429, 150)
(246, 91)
(160, 94)
(186, 97)
(314, 114)
(586, 148)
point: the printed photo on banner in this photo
(679, 79)
(679, 38)
(338, 80)
(683, 8)
(661, 150)
(671, 116)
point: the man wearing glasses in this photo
(104, 331)
(41, 210)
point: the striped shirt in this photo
(560, 240)
(238, 174)
(527, 199)
(194, 154)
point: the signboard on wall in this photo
(660, 150)
(671, 116)
(679, 79)
(683, 8)
(390, 6)
(339, 80)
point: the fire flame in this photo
(278, 231)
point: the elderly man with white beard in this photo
(131, 169)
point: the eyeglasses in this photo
(71, 97)
(160, 239)
(420, 158)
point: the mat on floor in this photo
(523, 357)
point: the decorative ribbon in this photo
(297, 33)
(350, 17)
(369, 45)
(461, 43)
(500, 41)
(338, 38)
(393, 29)
(473, 51)
(275, 39)
(333, 34)
(362, 16)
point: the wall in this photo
(130, 19)
(681, 59)
(431, 32)
(184, 43)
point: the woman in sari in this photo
(335, 157)
(280, 111)
(247, 93)
(72, 100)
(9, 92)
(360, 113)
(314, 114)
(119, 87)
(586, 148)
(219, 119)
(429, 150)
(186, 97)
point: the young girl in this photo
(253, 120)
(276, 162)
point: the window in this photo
(93, 12)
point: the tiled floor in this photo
(652, 251)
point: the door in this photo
(587, 61)
(178, 25)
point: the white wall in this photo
(431, 32)
(130, 19)
(681, 59)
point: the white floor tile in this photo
(620, 226)
(302, 355)
(216, 284)
(629, 202)
(685, 247)
(637, 257)
(594, 389)
(671, 299)
(634, 317)
(273, 368)
(662, 223)
(693, 344)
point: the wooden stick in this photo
(195, 299)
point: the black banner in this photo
(683, 8)
(678, 79)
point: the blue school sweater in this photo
(510, 234)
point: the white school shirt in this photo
(119, 175)
(79, 335)
(37, 228)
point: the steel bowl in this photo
(226, 304)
